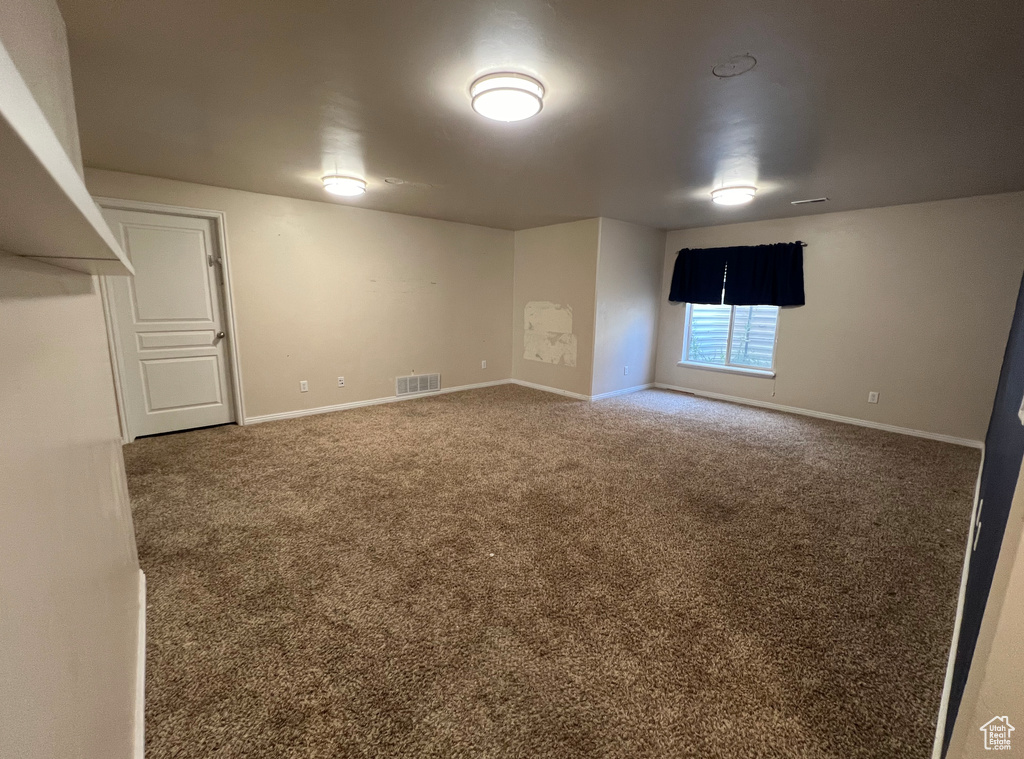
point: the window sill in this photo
(767, 373)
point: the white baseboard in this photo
(580, 396)
(459, 388)
(623, 391)
(360, 404)
(546, 389)
(832, 417)
(140, 673)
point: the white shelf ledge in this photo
(46, 212)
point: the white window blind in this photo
(742, 336)
(709, 334)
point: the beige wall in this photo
(68, 570)
(556, 265)
(912, 301)
(995, 685)
(628, 296)
(324, 290)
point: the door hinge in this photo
(211, 260)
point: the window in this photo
(742, 337)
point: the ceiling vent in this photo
(417, 383)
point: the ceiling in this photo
(870, 103)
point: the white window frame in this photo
(754, 371)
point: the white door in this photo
(169, 324)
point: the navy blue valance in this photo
(750, 275)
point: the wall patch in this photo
(547, 333)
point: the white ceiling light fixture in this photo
(733, 196)
(507, 96)
(737, 65)
(348, 187)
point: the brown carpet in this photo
(508, 573)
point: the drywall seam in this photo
(832, 417)
(140, 673)
(947, 685)
(371, 402)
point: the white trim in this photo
(822, 415)
(371, 402)
(140, 674)
(546, 389)
(730, 369)
(116, 367)
(624, 391)
(947, 685)
(220, 224)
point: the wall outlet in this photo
(483, 364)
(872, 397)
(625, 370)
(303, 386)
(341, 382)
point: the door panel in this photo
(158, 340)
(163, 256)
(168, 321)
(176, 383)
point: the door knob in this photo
(220, 335)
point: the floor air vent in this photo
(418, 383)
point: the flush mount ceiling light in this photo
(348, 187)
(734, 66)
(507, 97)
(733, 196)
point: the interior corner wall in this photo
(629, 271)
(68, 568)
(912, 301)
(323, 290)
(554, 305)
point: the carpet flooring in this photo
(508, 573)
